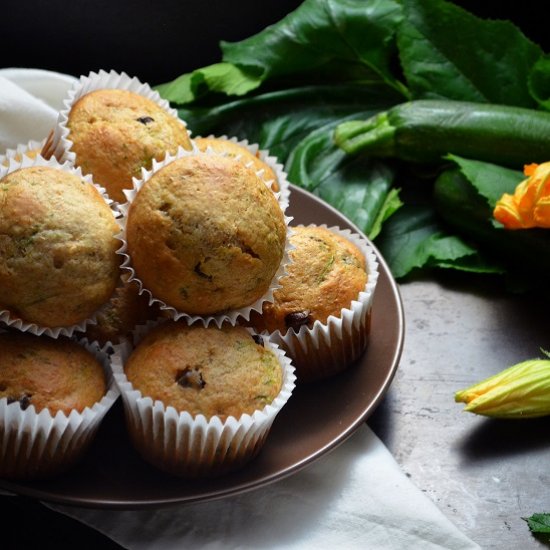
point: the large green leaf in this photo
(447, 52)
(413, 238)
(220, 77)
(490, 180)
(343, 34)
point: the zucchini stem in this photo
(376, 135)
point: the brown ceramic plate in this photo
(316, 419)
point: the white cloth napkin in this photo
(29, 102)
(355, 497)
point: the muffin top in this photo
(53, 374)
(115, 133)
(58, 261)
(325, 274)
(232, 149)
(210, 371)
(205, 235)
(121, 314)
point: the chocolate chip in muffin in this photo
(145, 119)
(200, 273)
(190, 378)
(24, 400)
(296, 319)
(258, 339)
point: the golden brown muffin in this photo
(235, 150)
(209, 371)
(53, 374)
(205, 235)
(125, 310)
(58, 261)
(115, 133)
(325, 274)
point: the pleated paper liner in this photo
(30, 149)
(195, 446)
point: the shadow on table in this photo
(543, 538)
(505, 437)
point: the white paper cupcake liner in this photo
(283, 195)
(21, 149)
(36, 445)
(16, 159)
(328, 348)
(231, 316)
(194, 446)
(58, 143)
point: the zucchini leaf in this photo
(220, 77)
(490, 180)
(347, 34)
(539, 523)
(464, 210)
(413, 238)
(456, 55)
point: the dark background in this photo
(153, 40)
(159, 40)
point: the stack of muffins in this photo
(174, 256)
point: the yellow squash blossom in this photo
(529, 206)
(520, 391)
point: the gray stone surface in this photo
(484, 474)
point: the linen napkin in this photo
(29, 102)
(354, 497)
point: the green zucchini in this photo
(459, 204)
(423, 131)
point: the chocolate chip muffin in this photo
(236, 150)
(209, 371)
(54, 374)
(58, 261)
(205, 235)
(321, 316)
(325, 274)
(115, 133)
(54, 394)
(213, 392)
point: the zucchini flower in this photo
(520, 391)
(529, 206)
